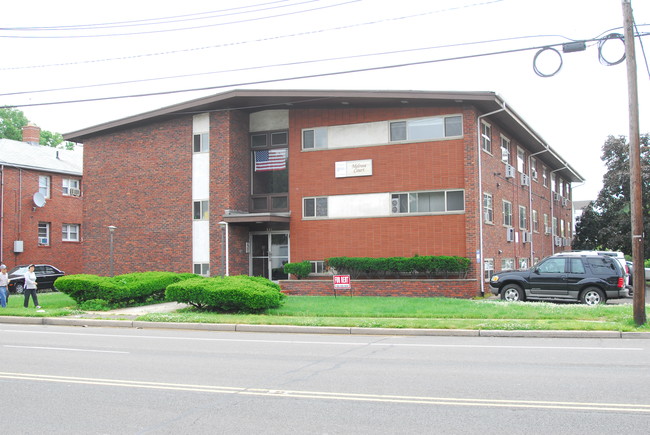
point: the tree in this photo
(12, 122)
(605, 223)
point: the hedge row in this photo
(121, 289)
(229, 293)
(401, 267)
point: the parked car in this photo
(619, 256)
(590, 279)
(45, 277)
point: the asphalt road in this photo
(106, 380)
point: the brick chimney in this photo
(32, 134)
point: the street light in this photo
(111, 230)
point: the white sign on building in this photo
(353, 168)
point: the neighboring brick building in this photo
(40, 203)
(244, 181)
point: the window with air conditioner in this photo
(505, 149)
(70, 187)
(510, 171)
(44, 233)
(510, 234)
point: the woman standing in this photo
(30, 287)
(4, 282)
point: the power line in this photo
(309, 76)
(271, 38)
(304, 62)
(187, 28)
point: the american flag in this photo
(271, 160)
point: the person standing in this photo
(30, 287)
(4, 282)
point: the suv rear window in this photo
(601, 265)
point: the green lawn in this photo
(389, 312)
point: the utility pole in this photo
(636, 199)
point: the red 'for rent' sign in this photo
(341, 282)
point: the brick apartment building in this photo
(244, 181)
(40, 203)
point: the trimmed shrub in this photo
(126, 289)
(429, 266)
(240, 293)
(300, 270)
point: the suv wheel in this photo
(512, 293)
(592, 296)
(20, 289)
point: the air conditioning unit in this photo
(395, 205)
(547, 229)
(486, 217)
(527, 237)
(565, 202)
(505, 155)
(556, 196)
(510, 171)
(43, 241)
(567, 241)
(510, 234)
(74, 192)
(525, 180)
(558, 241)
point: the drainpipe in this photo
(224, 227)
(552, 228)
(530, 204)
(480, 195)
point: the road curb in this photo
(228, 327)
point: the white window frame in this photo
(203, 208)
(318, 267)
(488, 268)
(486, 137)
(202, 269)
(535, 218)
(507, 264)
(521, 160)
(69, 183)
(488, 208)
(523, 218)
(412, 198)
(505, 149)
(44, 183)
(201, 142)
(44, 234)
(506, 207)
(71, 232)
(318, 139)
(544, 176)
(533, 169)
(409, 126)
(523, 263)
(318, 203)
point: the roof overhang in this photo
(251, 100)
(255, 218)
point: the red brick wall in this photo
(400, 167)
(461, 288)
(21, 218)
(138, 179)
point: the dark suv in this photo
(590, 279)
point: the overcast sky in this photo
(69, 48)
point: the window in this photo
(202, 269)
(486, 137)
(70, 233)
(507, 213)
(428, 202)
(318, 267)
(201, 210)
(44, 185)
(426, 128)
(315, 207)
(315, 138)
(533, 168)
(270, 171)
(522, 218)
(44, 233)
(568, 229)
(562, 227)
(71, 187)
(535, 221)
(201, 142)
(544, 176)
(488, 211)
(553, 183)
(505, 149)
(576, 265)
(552, 265)
(507, 264)
(521, 160)
(488, 268)
(523, 263)
(554, 226)
(547, 229)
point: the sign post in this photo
(342, 282)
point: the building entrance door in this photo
(269, 254)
